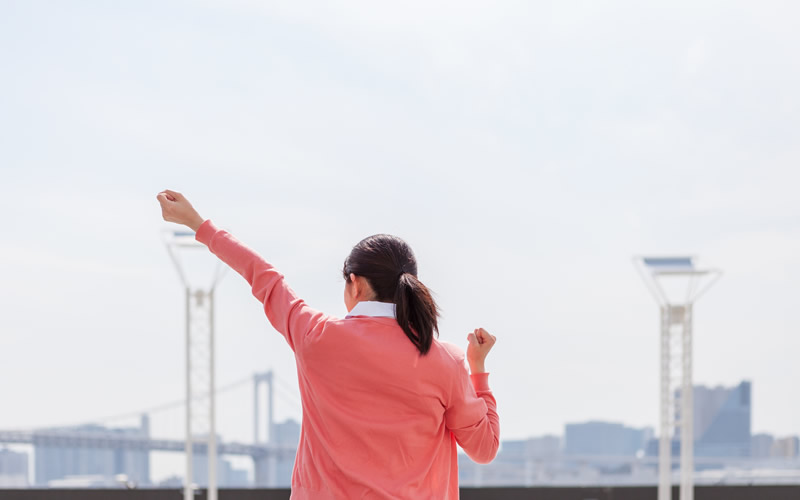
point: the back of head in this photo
(389, 265)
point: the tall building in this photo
(721, 420)
(604, 438)
(13, 469)
(55, 460)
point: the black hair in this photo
(389, 266)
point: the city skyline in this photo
(552, 449)
(717, 436)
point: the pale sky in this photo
(525, 150)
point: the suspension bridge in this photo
(90, 437)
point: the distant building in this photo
(518, 463)
(788, 447)
(276, 472)
(761, 445)
(604, 438)
(227, 475)
(286, 434)
(234, 478)
(543, 447)
(721, 420)
(56, 461)
(13, 469)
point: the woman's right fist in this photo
(480, 343)
(176, 208)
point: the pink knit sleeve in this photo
(287, 313)
(472, 415)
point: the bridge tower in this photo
(265, 467)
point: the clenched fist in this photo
(480, 343)
(176, 208)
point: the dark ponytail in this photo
(389, 266)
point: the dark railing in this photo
(600, 493)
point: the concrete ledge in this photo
(782, 492)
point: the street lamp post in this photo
(676, 283)
(200, 404)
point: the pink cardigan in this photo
(380, 421)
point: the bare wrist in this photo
(477, 368)
(195, 224)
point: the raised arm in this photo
(289, 314)
(472, 411)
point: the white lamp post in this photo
(200, 413)
(676, 283)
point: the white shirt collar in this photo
(373, 308)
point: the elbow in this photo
(488, 453)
